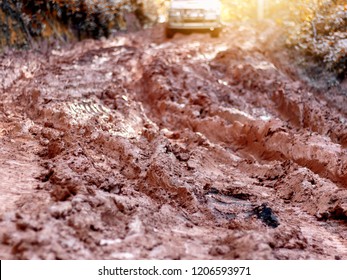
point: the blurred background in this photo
(317, 28)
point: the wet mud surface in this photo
(138, 147)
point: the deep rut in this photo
(189, 148)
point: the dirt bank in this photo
(138, 147)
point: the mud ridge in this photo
(138, 147)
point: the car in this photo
(193, 15)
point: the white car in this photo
(194, 15)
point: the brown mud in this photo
(137, 147)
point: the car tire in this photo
(169, 33)
(215, 33)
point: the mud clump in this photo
(63, 192)
(136, 147)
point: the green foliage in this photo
(322, 35)
(24, 21)
(315, 28)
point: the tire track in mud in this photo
(163, 149)
(262, 84)
(266, 140)
(269, 140)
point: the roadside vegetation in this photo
(23, 22)
(317, 29)
(321, 34)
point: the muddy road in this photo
(138, 147)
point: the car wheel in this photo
(169, 33)
(215, 33)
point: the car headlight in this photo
(175, 13)
(211, 16)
